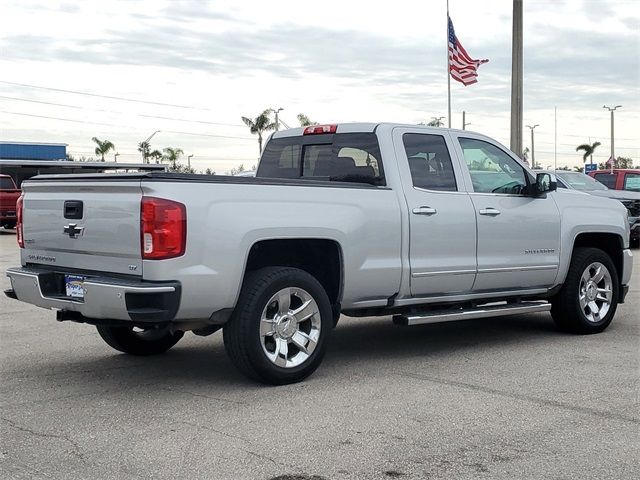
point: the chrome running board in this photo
(483, 311)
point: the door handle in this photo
(425, 211)
(490, 211)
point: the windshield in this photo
(580, 181)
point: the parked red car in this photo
(620, 179)
(9, 195)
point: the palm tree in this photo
(262, 123)
(156, 155)
(305, 121)
(172, 155)
(588, 150)
(144, 147)
(103, 147)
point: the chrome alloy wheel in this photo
(290, 327)
(595, 292)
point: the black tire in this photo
(566, 311)
(242, 338)
(147, 342)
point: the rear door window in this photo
(632, 182)
(607, 179)
(341, 157)
(6, 183)
(429, 162)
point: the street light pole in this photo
(516, 80)
(464, 123)
(189, 161)
(144, 157)
(533, 148)
(276, 111)
(115, 157)
(612, 109)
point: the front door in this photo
(442, 224)
(518, 235)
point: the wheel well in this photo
(319, 257)
(610, 243)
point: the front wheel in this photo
(588, 299)
(279, 330)
(137, 341)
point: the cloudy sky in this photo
(120, 70)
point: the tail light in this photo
(163, 228)
(19, 229)
(320, 129)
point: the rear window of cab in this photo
(340, 157)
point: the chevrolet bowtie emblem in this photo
(73, 230)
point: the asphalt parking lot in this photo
(498, 398)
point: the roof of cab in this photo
(357, 127)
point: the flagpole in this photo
(448, 72)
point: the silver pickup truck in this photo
(422, 224)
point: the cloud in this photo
(563, 65)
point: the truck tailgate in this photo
(89, 225)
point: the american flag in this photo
(461, 66)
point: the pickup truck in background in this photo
(423, 224)
(9, 195)
(629, 198)
(619, 179)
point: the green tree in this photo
(305, 121)
(588, 150)
(236, 170)
(208, 171)
(144, 148)
(436, 122)
(180, 168)
(103, 147)
(262, 123)
(156, 155)
(172, 155)
(621, 162)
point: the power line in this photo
(55, 118)
(89, 94)
(121, 126)
(66, 105)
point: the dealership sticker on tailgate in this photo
(74, 285)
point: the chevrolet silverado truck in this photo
(9, 194)
(422, 224)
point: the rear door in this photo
(442, 223)
(518, 235)
(87, 225)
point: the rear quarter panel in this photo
(225, 220)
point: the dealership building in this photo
(23, 160)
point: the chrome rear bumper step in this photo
(484, 311)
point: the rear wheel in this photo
(138, 341)
(279, 330)
(588, 299)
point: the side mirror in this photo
(545, 182)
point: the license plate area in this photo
(74, 286)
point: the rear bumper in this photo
(105, 298)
